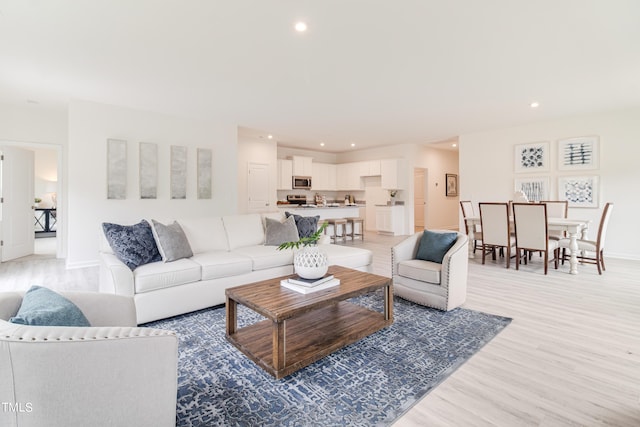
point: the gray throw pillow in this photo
(307, 225)
(44, 307)
(134, 245)
(278, 232)
(433, 246)
(172, 242)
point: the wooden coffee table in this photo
(302, 328)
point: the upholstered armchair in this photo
(110, 374)
(438, 285)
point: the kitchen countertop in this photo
(341, 206)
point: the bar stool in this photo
(335, 222)
(355, 220)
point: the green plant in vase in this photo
(309, 262)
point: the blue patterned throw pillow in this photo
(433, 246)
(44, 307)
(133, 244)
(307, 225)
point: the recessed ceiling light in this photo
(454, 145)
(270, 136)
(535, 104)
(301, 27)
(322, 144)
(353, 144)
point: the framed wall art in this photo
(533, 157)
(578, 153)
(452, 185)
(178, 172)
(204, 173)
(579, 191)
(535, 188)
(148, 170)
(116, 169)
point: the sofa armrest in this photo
(103, 309)
(88, 376)
(455, 267)
(404, 251)
(115, 276)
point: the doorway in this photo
(419, 198)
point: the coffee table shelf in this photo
(302, 328)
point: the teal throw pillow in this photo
(433, 246)
(44, 307)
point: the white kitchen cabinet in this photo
(348, 177)
(323, 177)
(392, 174)
(285, 173)
(390, 220)
(369, 168)
(302, 166)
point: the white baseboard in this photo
(84, 264)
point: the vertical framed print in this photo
(452, 185)
(116, 169)
(205, 166)
(579, 191)
(148, 170)
(578, 153)
(178, 172)
(533, 157)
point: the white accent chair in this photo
(496, 230)
(596, 247)
(532, 233)
(442, 286)
(110, 374)
(556, 209)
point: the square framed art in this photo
(579, 191)
(535, 188)
(533, 157)
(452, 185)
(578, 153)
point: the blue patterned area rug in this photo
(370, 382)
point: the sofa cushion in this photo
(205, 234)
(171, 241)
(263, 257)
(434, 245)
(134, 244)
(424, 271)
(347, 256)
(307, 225)
(243, 230)
(44, 307)
(216, 264)
(278, 232)
(160, 275)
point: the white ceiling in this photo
(371, 72)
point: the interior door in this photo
(258, 191)
(419, 198)
(16, 210)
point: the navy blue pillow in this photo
(44, 307)
(433, 246)
(133, 244)
(307, 225)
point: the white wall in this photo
(487, 168)
(90, 125)
(46, 171)
(33, 123)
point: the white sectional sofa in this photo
(227, 251)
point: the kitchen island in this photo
(325, 212)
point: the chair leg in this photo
(509, 257)
(602, 260)
(546, 262)
(599, 262)
(556, 254)
(484, 253)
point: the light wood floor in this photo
(571, 356)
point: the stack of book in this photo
(305, 286)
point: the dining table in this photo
(575, 229)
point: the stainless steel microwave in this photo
(301, 183)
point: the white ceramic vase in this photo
(310, 263)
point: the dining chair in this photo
(494, 220)
(532, 233)
(467, 211)
(596, 246)
(556, 209)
